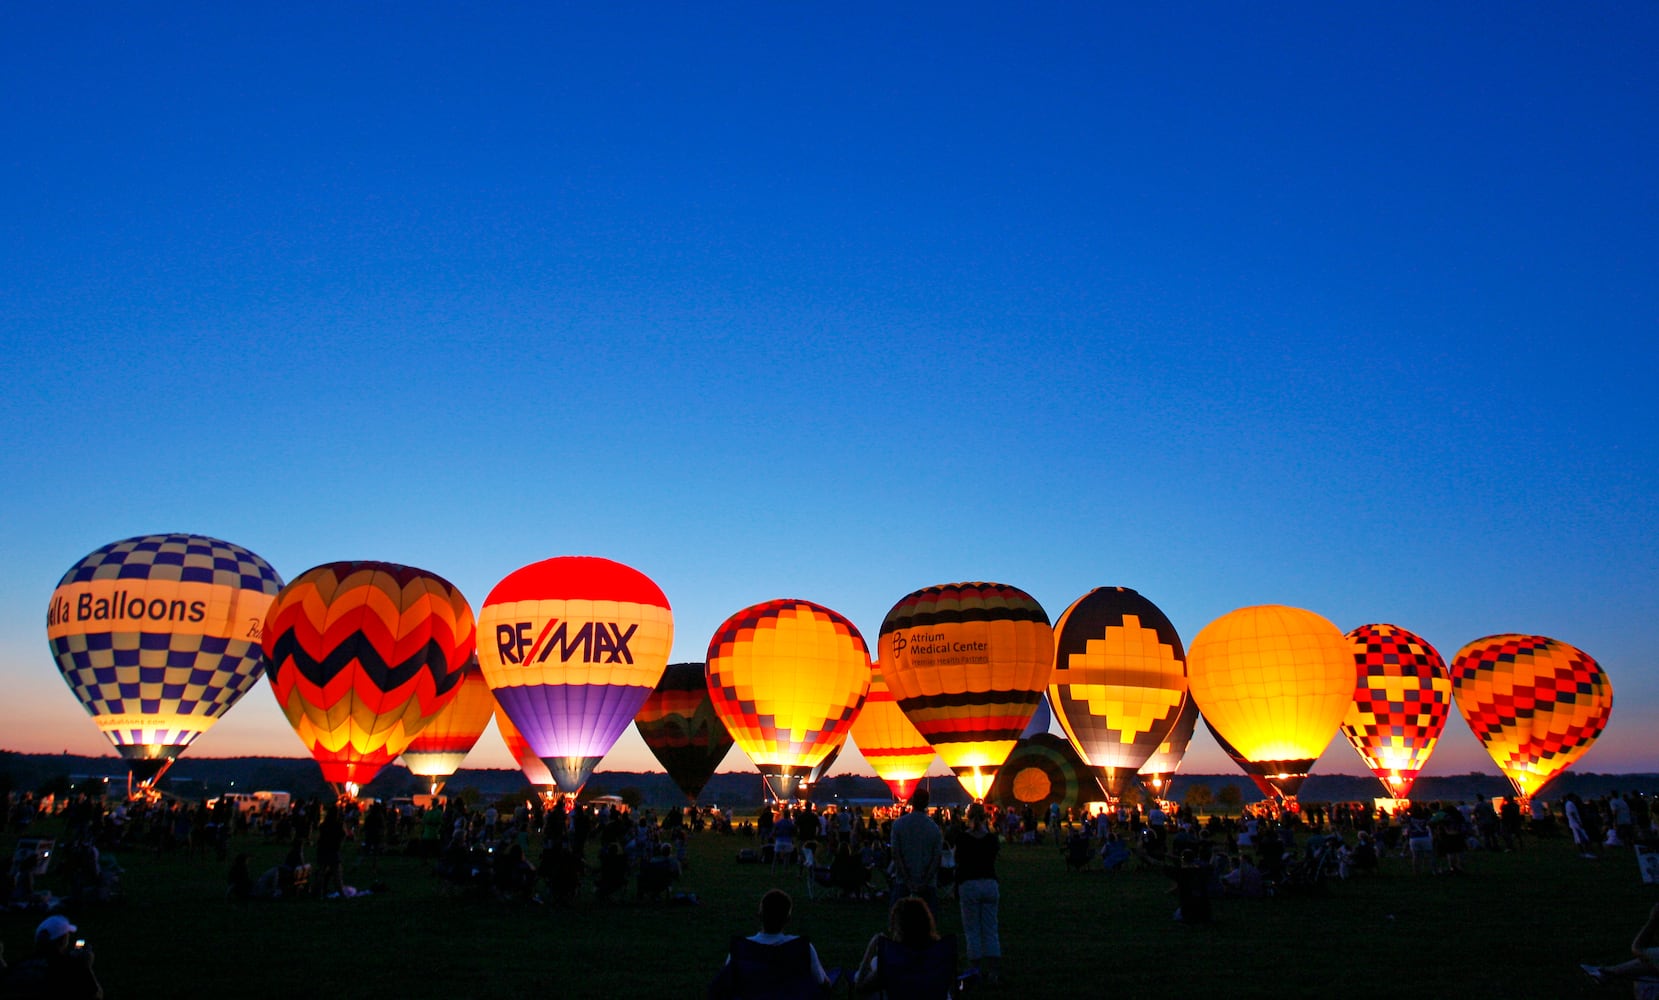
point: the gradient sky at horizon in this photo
(1350, 309)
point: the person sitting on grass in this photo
(1645, 948)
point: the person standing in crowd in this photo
(978, 893)
(918, 845)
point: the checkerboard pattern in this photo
(1536, 703)
(178, 557)
(1402, 696)
(188, 680)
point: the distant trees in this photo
(1229, 799)
(1198, 797)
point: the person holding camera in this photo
(59, 967)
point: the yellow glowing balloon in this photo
(892, 746)
(1275, 683)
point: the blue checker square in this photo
(103, 675)
(153, 640)
(100, 641)
(187, 707)
(172, 691)
(150, 706)
(126, 657)
(130, 690)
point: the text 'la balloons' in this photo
(1402, 695)
(787, 678)
(968, 663)
(890, 744)
(572, 647)
(1275, 682)
(1535, 703)
(362, 656)
(681, 728)
(158, 636)
(1120, 677)
(438, 751)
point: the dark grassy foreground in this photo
(1515, 927)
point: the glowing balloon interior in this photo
(1276, 682)
(968, 663)
(158, 636)
(1536, 704)
(572, 647)
(440, 749)
(534, 770)
(892, 746)
(1402, 696)
(1120, 679)
(363, 656)
(787, 678)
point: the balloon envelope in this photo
(363, 656)
(1276, 682)
(534, 770)
(572, 647)
(681, 728)
(1537, 704)
(1120, 678)
(968, 663)
(1166, 760)
(1044, 770)
(787, 678)
(440, 749)
(892, 746)
(158, 636)
(1402, 695)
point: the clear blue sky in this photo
(1351, 309)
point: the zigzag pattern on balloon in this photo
(363, 656)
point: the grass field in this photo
(1515, 927)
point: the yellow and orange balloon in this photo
(1537, 704)
(362, 656)
(1274, 683)
(439, 750)
(968, 664)
(892, 746)
(787, 678)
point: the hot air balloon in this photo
(1536, 704)
(363, 656)
(438, 751)
(1275, 682)
(892, 746)
(534, 770)
(679, 725)
(787, 678)
(572, 647)
(1166, 760)
(1120, 677)
(967, 663)
(158, 636)
(1257, 773)
(1044, 770)
(1401, 698)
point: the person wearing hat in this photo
(59, 967)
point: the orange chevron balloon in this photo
(362, 656)
(438, 751)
